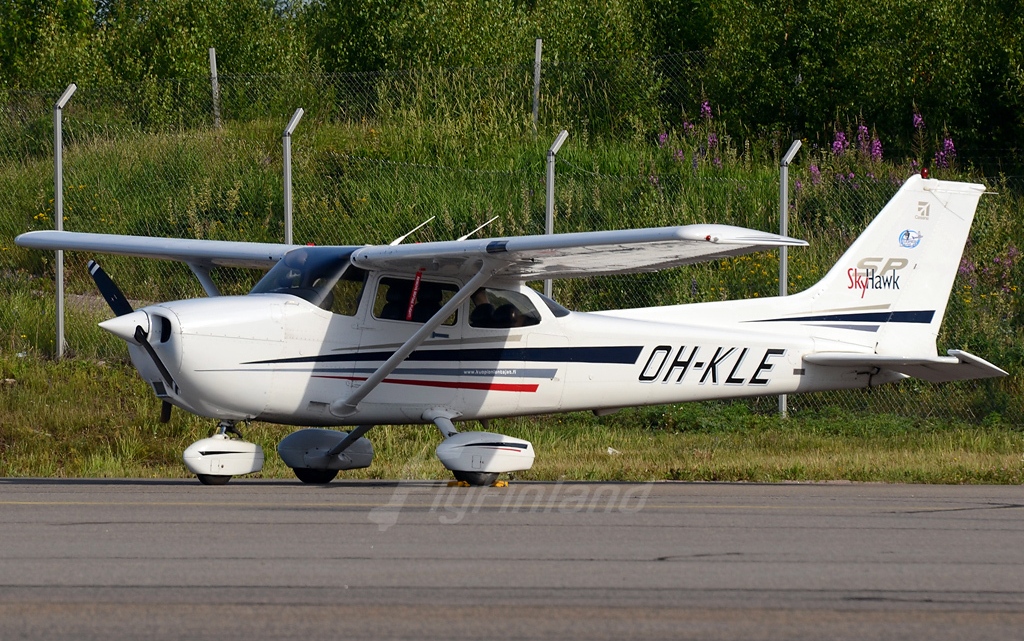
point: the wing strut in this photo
(347, 406)
(202, 272)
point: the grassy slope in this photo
(84, 417)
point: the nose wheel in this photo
(216, 459)
(213, 479)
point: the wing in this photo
(204, 253)
(521, 257)
(575, 255)
(958, 366)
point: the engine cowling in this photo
(485, 453)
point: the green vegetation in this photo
(678, 112)
(796, 66)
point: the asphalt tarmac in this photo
(161, 559)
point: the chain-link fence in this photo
(148, 161)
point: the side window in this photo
(501, 308)
(394, 300)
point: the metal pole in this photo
(549, 209)
(215, 87)
(58, 206)
(784, 230)
(287, 140)
(536, 83)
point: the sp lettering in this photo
(875, 273)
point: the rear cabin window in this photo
(395, 300)
(501, 309)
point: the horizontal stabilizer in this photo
(958, 366)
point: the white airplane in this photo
(446, 332)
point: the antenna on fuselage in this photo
(477, 229)
(398, 241)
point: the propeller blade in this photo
(109, 290)
(141, 338)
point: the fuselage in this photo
(280, 358)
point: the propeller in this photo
(120, 306)
(110, 292)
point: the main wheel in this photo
(316, 477)
(213, 479)
(476, 478)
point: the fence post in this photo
(784, 230)
(215, 86)
(549, 208)
(58, 206)
(286, 140)
(536, 83)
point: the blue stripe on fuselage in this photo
(923, 316)
(625, 355)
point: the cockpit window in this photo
(321, 275)
(396, 300)
(501, 308)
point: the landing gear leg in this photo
(228, 427)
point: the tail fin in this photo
(896, 278)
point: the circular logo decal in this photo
(910, 238)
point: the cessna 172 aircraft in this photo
(446, 332)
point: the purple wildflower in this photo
(840, 144)
(718, 162)
(797, 185)
(918, 121)
(863, 139)
(662, 139)
(875, 150)
(680, 155)
(815, 175)
(712, 140)
(687, 127)
(946, 155)
(705, 110)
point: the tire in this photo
(314, 477)
(213, 479)
(476, 478)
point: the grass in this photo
(90, 418)
(370, 181)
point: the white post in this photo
(549, 209)
(215, 87)
(536, 83)
(287, 141)
(784, 230)
(58, 206)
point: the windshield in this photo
(307, 272)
